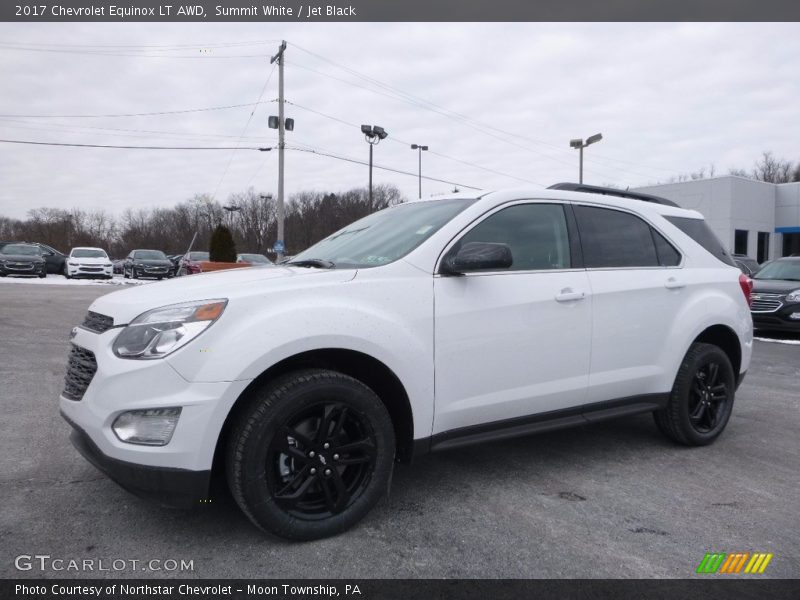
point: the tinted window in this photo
(536, 234)
(149, 255)
(699, 231)
(668, 256)
(611, 238)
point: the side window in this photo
(536, 233)
(668, 256)
(612, 238)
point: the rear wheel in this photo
(701, 400)
(311, 455)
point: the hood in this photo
(22, 258)
(153, 262)
(774, 286)
(125, 305)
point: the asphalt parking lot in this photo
(609, 500)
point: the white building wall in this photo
(729, 203)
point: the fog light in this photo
(795, 316)
(150, 427)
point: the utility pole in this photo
(279, 245)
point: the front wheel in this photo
(701, 400)
(311, 455)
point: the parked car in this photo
(190, 263)
(257, 260)
(88, 262)
(119, 264)
(54, 259)
(776, 295)
(305, 383)
(22, 259)
(147, 263)
(748, 266)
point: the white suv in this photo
(422, 327)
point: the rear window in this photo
(700, 232)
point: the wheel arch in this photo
(726, 339)
(366, 369)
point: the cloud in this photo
(669, 98)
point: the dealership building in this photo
(751, 217)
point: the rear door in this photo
(638, 287)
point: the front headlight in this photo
(793, 297)
(158, 332)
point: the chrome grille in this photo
(81, 368)
(97, 322)
(763, 303)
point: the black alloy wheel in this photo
(702, 397)
(321, 460)
(311, 454)
(708, 397)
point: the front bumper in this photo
(90, 271)
(28, 269)
(144, 271)
(175, 474)
(779, 320)
(177, 488)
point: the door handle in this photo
(567, 295)
(674, 284)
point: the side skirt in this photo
(539, 423)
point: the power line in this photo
(157, 46)
(200, 56)
(241, 135)
(310, 150)
(142, 114)
(399, 141)
(399, 94)
(116, 131)
(70, 145)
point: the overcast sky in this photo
(668, 99)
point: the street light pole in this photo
(580, 145)
(373, 134)
(420, 149)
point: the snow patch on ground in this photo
(774, 341)
(57, 279)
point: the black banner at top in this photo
(398, 10)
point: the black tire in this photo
(42, 275)
(702, 397)
(125, 273)
(295, 486)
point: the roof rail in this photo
(605, 191)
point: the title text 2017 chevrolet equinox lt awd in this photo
(422, 327)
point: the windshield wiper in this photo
(319, 263)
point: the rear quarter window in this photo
(700, 232)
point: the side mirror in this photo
(477, 256)
(47, 253)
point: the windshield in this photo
(384, 236)
(789, 269)
(255, 258)
(21, 250)
(88, 253)
(150, 255)
(198, 256)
